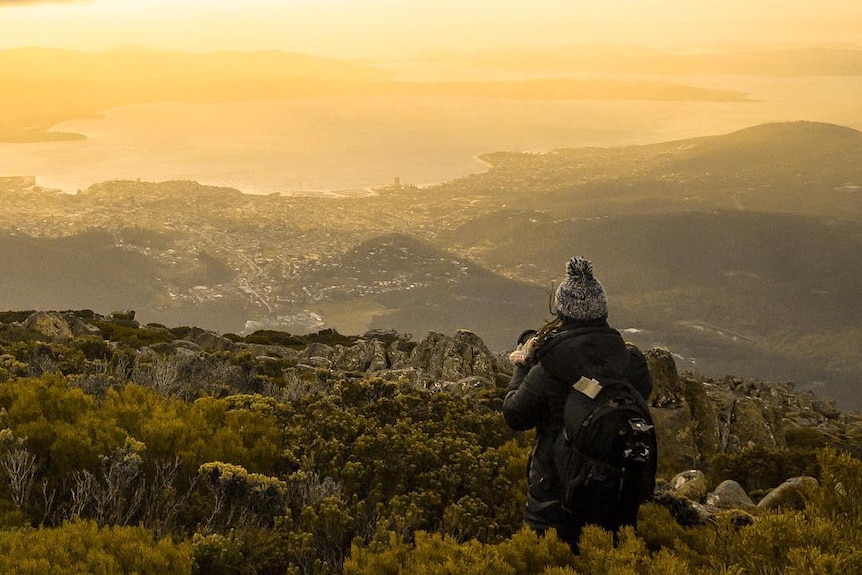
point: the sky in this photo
(398, 28)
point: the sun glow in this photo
(392, 29)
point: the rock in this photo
(690, 484)
(356, 357)
(210, 341)
(792, 494)
(398, 353)
(126, 314)
(259, 349)
(125, 318)
(675, 435)
(81, 328)
(752, 424)
(185, 345)
(686, 512)
(464, 386)
(362, 356)
(703, 415)
(853, 425)
(379, 357)
(668, 389)
(454, 358)
(729, 495)
(385, 335)
(411, 376)
(827, 408)
(50, 325)
(317, 362)
(319, 350)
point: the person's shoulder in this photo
(637, 371)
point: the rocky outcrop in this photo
(49, 325)
(451, 359)
(696, 417)
(675, 427)
(370, 354)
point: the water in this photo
(347, 143)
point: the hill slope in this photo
(739, 251)
(397, 282)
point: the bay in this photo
(321, 145)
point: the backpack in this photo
(606, 453)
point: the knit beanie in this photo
(580, 296)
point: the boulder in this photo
(853, 425)
(827, 408)
(685, 511)
(756, 425)
(690, 484)
(743, 422)
(363, 356)
(184, 345)
(124, 317)
(385, 335)
(356, 357)
(703, 415)
(259, 349)
(668, 389)
(126, 314)
(379, 359)
(320, 350)
(50, 325)
(80, 328)
(792, 494)
(211, 341)
(398, 353)
(675, 435)
(317, 362)
(729, 495)
(451, 359)
(465, 386)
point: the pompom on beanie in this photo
(581, 296)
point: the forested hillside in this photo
(154, 449)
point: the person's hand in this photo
(523, 352)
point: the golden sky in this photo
(394, 28)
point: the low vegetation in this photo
(118, 454)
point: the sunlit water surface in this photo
(326, 144)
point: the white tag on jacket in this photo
(589, 387)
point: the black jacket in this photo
(537, 395)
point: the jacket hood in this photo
(596, 351)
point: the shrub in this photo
(132, 336)
(83, 548)
(759, 469)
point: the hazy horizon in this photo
(388, 29)
(177, 114)
(294, 145)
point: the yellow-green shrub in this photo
(83, 548)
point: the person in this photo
(578, 342)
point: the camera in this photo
(526, 335)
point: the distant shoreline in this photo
(37, 135)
